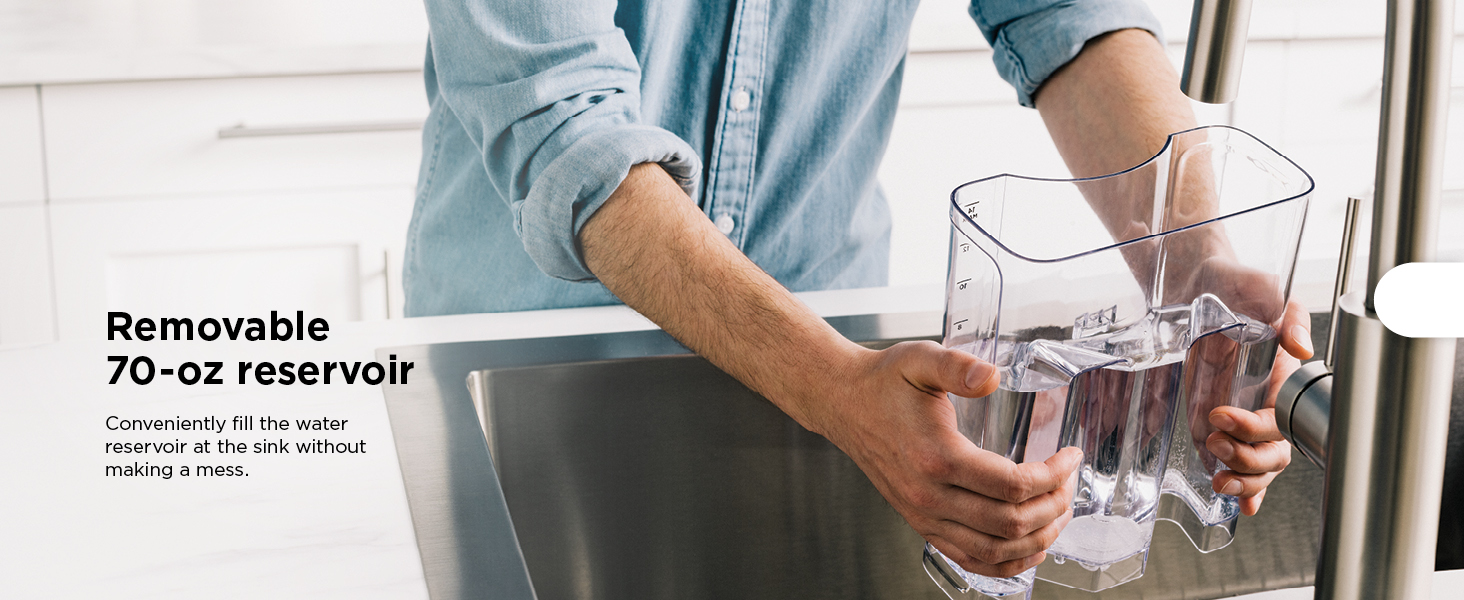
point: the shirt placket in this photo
(734, 156)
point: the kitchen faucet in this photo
(1378, 425)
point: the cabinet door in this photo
(153, 138)
(334, 255)
(21, 175)
(26, 314)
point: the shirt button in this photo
(741, 99)
(725, 224)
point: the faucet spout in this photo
(1216, 49)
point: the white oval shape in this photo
(1422, 300)
(725, 224)
(741, 99)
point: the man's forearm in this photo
(1113, 106)
(1110, 109)
(661, 256)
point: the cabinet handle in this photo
(244, 131)
(386, 279)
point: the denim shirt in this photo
(772, 116)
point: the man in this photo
(563, 166)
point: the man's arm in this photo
(887, 410)
(549, 94)
(1109, 109)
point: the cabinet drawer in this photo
(335, 255)
(232, 135)
(21, 175)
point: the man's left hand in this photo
(1249, 442)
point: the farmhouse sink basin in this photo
(619, 466)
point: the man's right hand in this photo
(887, 410)
(989, 515)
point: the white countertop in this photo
(297, 527)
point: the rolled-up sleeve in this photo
(1031, 40)
(549, 92)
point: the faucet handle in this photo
(1304, 409)
(1344, 276)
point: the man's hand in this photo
(989, 515)
(888, 410)
(1111, 108)
(1249, 442)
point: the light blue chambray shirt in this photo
(773, 116)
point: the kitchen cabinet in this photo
(146, 139)
(26, 312)
(231, 197)
(21, 175)
(333, 254)
(205, 197)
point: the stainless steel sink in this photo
(631, 469)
